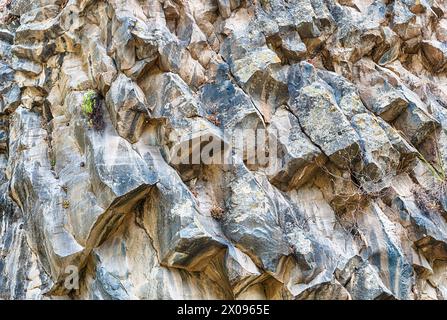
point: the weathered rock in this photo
(388, 50)
(435, 54)
(52, 237)
(117, 274)
(378, 90)
(345, 93)
(415, 123)
(102, 66)
(379, 158)
(182, 235)
(325, 123)
(364, 284)
(232, 107)
(241, 271)
(407, 152)
(246, 51)
(252, 221)
(312, 138)
(34, 52)
(127, 107)
(297, 157)
(27, 66)
(268, 90)
(404, 21)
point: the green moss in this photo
(88, 102)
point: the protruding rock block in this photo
(27, 66)
(268, 89)
(251, 221)
(10, 93)
(230, 104)
(39, 31)
(127, 107)
(435, 54)
(246, 54)
(35, 189)
(326, 125)
(404, 21)
(389, 49)
(345, 93)
(408, 153)
(240, 270)
(364, 283)
(183, 236)
(426, 228)
(379, 90)
(297, 158)
(102, 66)
(379, 158)
(415, 123)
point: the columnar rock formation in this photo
(351, 95)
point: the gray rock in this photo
(6, 36)
(127, 107)
(378, 90)
(415, 123)
(252, 221)
(350, 101)
(325, 123)
(27, 66)
(404, 21)
(435, 54)
(298, 158)
(364, 284)
(183, 236)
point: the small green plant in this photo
(92, 109)
(88, 102)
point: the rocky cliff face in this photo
(105, 106)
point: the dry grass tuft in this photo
(217, 212)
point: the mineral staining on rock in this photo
(350, 97)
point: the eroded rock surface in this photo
(130, 165)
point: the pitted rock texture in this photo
(353, 94)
